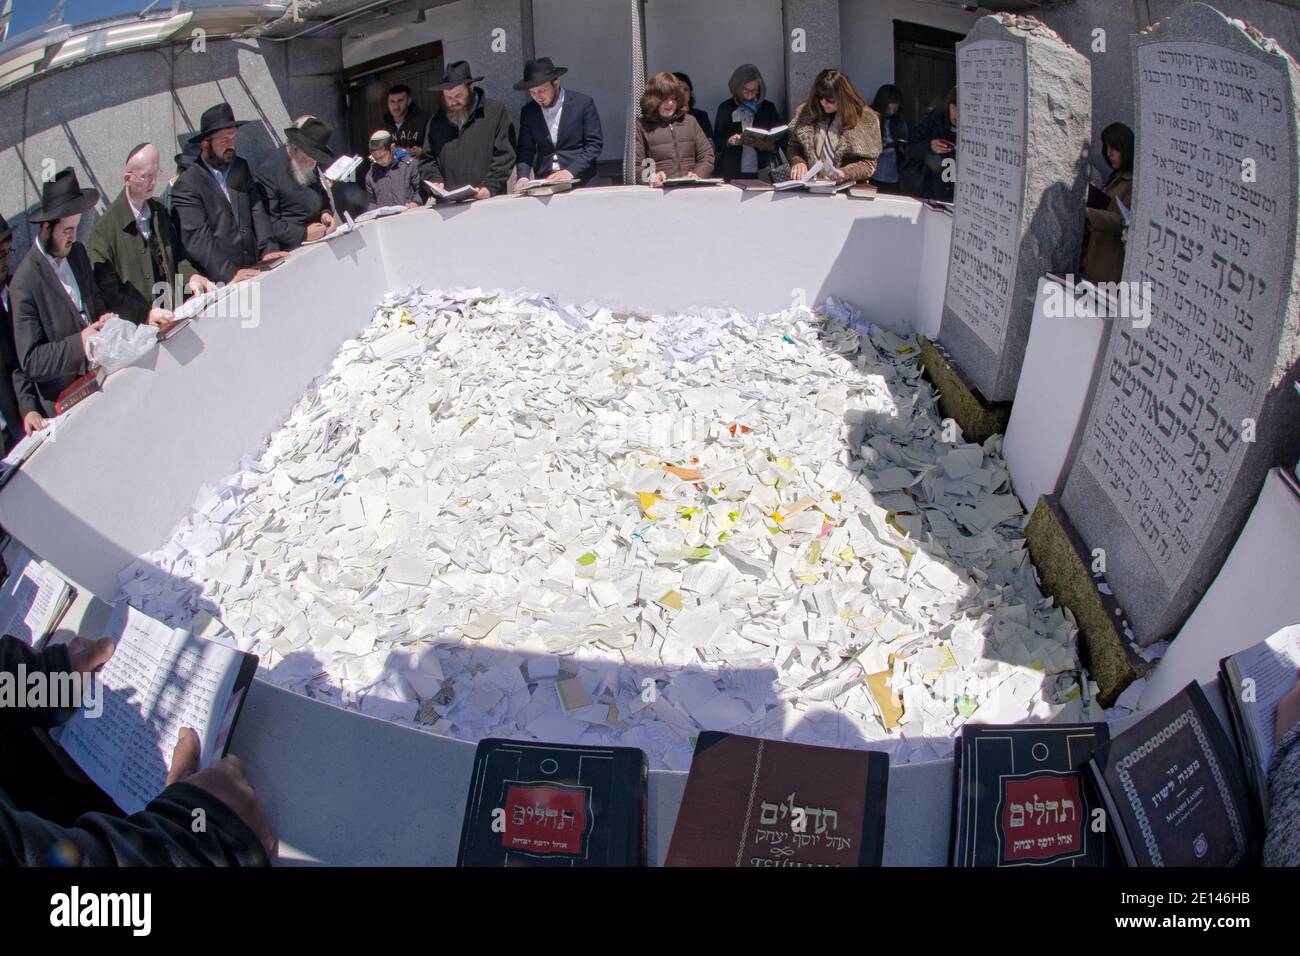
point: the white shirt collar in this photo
(67, 278)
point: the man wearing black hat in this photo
(19, 405)
(56, 305)
(298, 203)
(471, 140)
(223, 223)
(140, 270)
(559, 131)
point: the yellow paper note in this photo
(891, 708)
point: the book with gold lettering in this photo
(1019, 796)
(1174, 790)
(754, 802)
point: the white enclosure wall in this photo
(126, 467)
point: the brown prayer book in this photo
(754, 802)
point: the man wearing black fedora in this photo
(559, 131)
(298, 204)
(471, 140)
(223, 222)
(19, 405)
(56, 306)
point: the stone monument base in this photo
(977, 417)
(1064, 572)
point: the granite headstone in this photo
(1024, 100)
(1194, 400)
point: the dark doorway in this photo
(925, 67)
(368, 83)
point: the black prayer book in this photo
(537, 804)
(1174, 790)
(1020, 799)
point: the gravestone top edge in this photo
(1202, 23)
(1205, 24)
(1013, 26)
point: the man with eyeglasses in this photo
(140, 269)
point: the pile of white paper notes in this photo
(499, 516)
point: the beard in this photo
(304, 172)
(220, 161)
(458, 117)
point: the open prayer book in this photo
(33, 600)
(812, 184)
(342, 168)
(25, 448)
(379, 212)
(158, 681)
(752, 134)
(1253, 681)
(460, 194)
(690, 181)
(548, 187)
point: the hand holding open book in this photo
(444, 195)
(158, 683)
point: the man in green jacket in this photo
(140, 269)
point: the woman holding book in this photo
(744, 155)
(1103, 241)
(669, 143)
(835, 127)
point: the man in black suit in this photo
(56, 306)
(19, 406)
(298, 205)
(224, 226)
(559, 131)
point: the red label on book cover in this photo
(1042, 817)
(545, 818)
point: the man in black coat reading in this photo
(471, 141)
(559, 131)
(224, 226)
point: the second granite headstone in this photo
(1024, 100)
(1195, 400)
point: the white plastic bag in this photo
(119, 343)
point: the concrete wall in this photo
(867, 35)
(593, 39)
(89, 116)
(709, 40)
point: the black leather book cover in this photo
(766, 803)
(1175, 791)
(1019, 797)
(537, 804)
